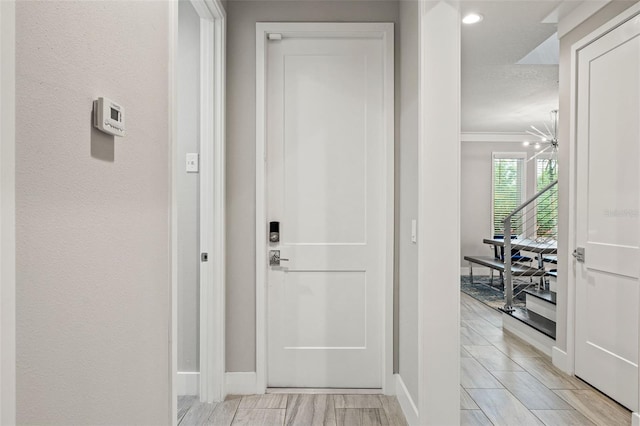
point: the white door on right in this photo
(607, 222)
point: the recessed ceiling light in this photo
(472, 18)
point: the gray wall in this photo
(188, 186)
(407, 197)
(242, 17)
(92, 214)
(605, 14)
(476, 193)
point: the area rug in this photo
(483, 291)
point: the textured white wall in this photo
(241, 134)
(407, 194)
(92, 214)
(188, 186)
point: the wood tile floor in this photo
(504, 381)
(507, 382)
(293, 409)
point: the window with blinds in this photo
(547, 208)
(508, 191)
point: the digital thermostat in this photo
(108, 117)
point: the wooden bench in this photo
(498, 265)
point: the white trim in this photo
(541, 342)
(324, 391)
(212, 336)
(388, 385)
(409, 408)
(635, 419)
(188, 383)
(261, 213)
(571, 238)
(241, 383)
(385, 31)
(609, 26)
(541, 307)
(7, 216)
(212, 198)
(578, 15)
(172, 67)
(495, 137)
(502, 155)
(439, 161)
(560, 359)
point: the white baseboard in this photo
(635, 419)
(188, 383)
(241, 383)
(409, 408)
(561, 360)
(324, 391)
(477, 271)
(533, 337)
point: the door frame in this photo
(7, 216)
(568, 361)
(384, 31)
(212, 198)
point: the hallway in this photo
(507, 382)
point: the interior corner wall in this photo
(407, 195)
(476, 193)
(188, 184)
(439, 182)
(241, 156)
(605, 14)
(92, 232)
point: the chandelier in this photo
(547, 138)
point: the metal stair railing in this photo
(536, 227)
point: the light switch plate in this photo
(192, 163)
(414, 231)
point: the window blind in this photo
(508, 193)
(547, 208)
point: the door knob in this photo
(275, 259)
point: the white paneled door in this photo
(608, 202)
(326, 186)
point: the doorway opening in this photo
(510, 256)
(198, 200)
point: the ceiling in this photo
(498, 94)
